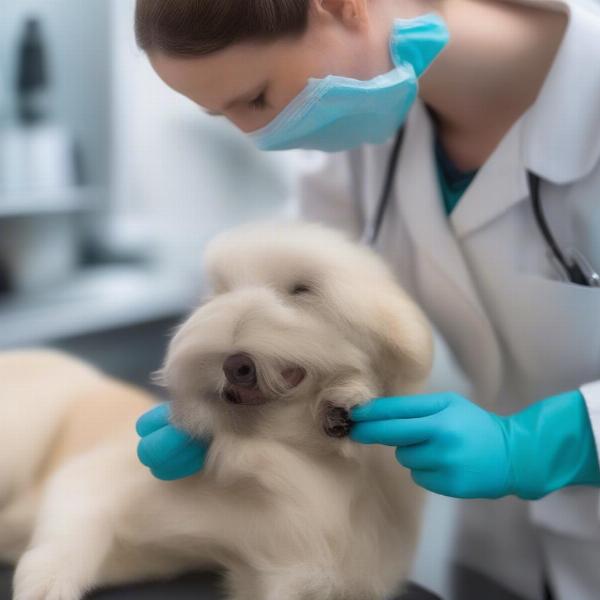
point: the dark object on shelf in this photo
(32, 74)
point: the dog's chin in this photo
(234, 394)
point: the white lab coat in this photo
(484, 278)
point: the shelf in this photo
(69, 200)
(98, 299)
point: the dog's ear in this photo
(407, 341)
(401, 340)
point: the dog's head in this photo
(295, 309)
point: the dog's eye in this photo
(300, 288)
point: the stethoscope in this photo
(575, 267)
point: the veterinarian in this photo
(499, 108)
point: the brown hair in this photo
(198, 27)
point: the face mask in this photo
(339, 113)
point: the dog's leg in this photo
(62, 570)
(73, 533)
(16, 525)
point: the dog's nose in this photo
(240, 370)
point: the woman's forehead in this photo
(215, 79)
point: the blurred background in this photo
(110, 186)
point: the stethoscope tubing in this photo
(372, 230)
(573, 269)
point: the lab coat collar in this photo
(561, 131)
(558, 138)
(499, 184)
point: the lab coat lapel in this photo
(556, 138)
(499, 184)
(444, 282)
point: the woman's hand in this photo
(452, 446)
(169, 452)
(455, 448)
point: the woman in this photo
(513, 98)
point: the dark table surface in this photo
(203, 586)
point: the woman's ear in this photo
(352, 13)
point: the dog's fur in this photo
(289, 512)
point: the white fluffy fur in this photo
(289, 513)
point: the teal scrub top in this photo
(453, 182)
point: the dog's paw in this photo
(335, 420)
(41, 575)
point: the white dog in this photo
(302, 324)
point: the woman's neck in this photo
(490, 73)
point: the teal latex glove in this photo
(455, 448)
(168, 452)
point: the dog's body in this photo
(288, 512)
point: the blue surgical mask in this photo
(339, 113)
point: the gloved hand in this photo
(168, 452)
(455, 448)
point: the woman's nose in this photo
(240, 370)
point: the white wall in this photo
(78, 38)
(180, 172)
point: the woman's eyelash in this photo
(259, 102)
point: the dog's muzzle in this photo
(242, 387)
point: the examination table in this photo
(188, 587)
